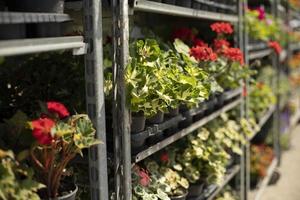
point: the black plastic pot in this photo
(172, 2)
(220, 100)
(195, 190)
(157, 0)
(153, 139)
(185, 123)
(183, 108)
(196, 5)
(199, 116)
(181, 197)
(138, 140)
(170, 131)
(210, 106)
(138, 121)
(184, 3)
(156, 119)
(173, 112)
(69, 196)
(12, 31)
(48, 6)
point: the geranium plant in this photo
(59, 138)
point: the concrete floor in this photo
(288, 187)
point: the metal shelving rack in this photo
(259, 51)
(91, 47)
(122, 148)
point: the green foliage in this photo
(266, 29)
(16, 183)
(261, 98)
(157, 80)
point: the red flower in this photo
(222, 27)
(220, 44)
(58, 108)
(144, 177)
(164, 157)
(234, 54)
(184, 34)
(261, 13)
(276, 46)
(198, 42)
(41, 129)
(203, 53)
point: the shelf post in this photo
(95, 98)
(121, 120)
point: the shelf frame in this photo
(168, 9)
(184, 132)
(39, 45)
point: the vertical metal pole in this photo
(121, 121)
(276, 121)
(246, 160)
(242, 107)
(95, 98)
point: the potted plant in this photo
(177, 185)
(59, 138)
(146, 186)
(16, 181)
(52, 6)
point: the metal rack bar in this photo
(28, 46)
(95, 99)
(121, 121)
(217, 5)
(263, 120)
(259, 54)
(167, 9)
(26, 18)
(160, 145)
(264, 183)
(295, 46)
(228, 177)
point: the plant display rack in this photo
(91, 47)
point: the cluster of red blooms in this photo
(221, 44)
(202, 53)
(234, 54)
(164, 157)
(222, 27)
(198, 42)
(276, 46)
(41, 128)
(184, 34)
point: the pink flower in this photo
(144, 177)
(261, 13)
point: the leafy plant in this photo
(16, 182)
(60, 137)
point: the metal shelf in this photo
(263, 120)
(27, 46)
(217, 5)
(264, 182)
(259, 54)
(21, 18)
(257, 46)
(169, 140)
(216, 189)
(295, 46)
(167, 9)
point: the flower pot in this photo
(196, 5)
(180, 197)
(156, 119)
(153, 139)
(209, 107)
(12, 31)
(185, 123)
(170, 131)
(184, 3)
(69, 196)
(195, 190)
(138, 140)
(157, 0)
(48, 6)
(220, 100)
(138, 121)
(172, 2)
(173, 112)
(199, 116)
